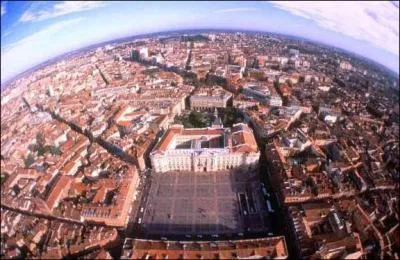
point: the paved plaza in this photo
(203, 203)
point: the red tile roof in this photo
(62, 183)
(242, 137)
(262, 247)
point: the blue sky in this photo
(33, 32)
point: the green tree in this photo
(197, 119)
(29, 160)
(40, 144)
(40, 139)
(231, 116)
(55, 150)
(32, 147)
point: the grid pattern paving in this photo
(198, 203)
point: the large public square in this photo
(211, 203)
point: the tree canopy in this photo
(231, 116)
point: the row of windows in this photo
(234, 160)
(216, 161)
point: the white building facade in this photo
(205, 149)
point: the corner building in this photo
(205, 149)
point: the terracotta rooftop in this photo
(167, 138)
(261, 248)
(202, 131)
(59, 187)
(242, 137)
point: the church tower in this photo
(217, 123)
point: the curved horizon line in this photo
(93, 45)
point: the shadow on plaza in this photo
(185, 232)
(240, 181)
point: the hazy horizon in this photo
(180, 31)
(63, 27)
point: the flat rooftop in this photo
(188, 203)
(204, 142)
(262, 89)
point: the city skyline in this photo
(28, 26)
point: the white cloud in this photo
(59, 9)
(34, 46)
(5, 34)
(375, 22)
(236, 10)
(3, 8)
(47, 31)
